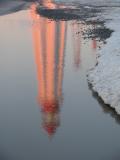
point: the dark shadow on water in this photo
(105, 108)
(101, 33)
(67, 12)
(62, 12)
(8, 7)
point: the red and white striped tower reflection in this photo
(77, 29)
(49, 43)
(76, 38)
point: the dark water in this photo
(47, 109)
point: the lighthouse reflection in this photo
(49, 37)
(49, 45)
(49, 40)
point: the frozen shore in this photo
(105, 76)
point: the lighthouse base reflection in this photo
(47, 110)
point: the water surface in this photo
(47, 109)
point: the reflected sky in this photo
(44, 92)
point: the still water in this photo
(47, 109)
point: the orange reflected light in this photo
(49, 44)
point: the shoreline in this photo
(105, 76)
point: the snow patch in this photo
(105, 76)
